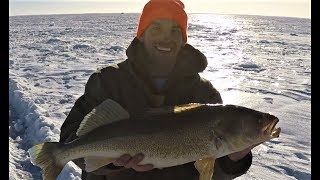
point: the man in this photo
(161, 70)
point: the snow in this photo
(254, 61)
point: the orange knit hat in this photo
(171, 9)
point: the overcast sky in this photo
(291, 8)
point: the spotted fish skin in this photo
(167, 136)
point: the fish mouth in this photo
(272, 130)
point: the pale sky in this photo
(288, 8)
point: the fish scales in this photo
(158, 141)
(167, 137)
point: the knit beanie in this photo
(170, 9)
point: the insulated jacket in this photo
(129, 84)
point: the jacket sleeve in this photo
(224, 167)
(94, 94)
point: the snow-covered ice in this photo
(254, 61)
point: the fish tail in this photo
(42, 155)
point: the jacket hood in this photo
(190, 61)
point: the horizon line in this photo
(90, 13)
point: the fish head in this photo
(242, 127)
(258, 127)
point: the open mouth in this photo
(272, 129)
(163, 49)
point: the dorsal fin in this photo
(173, 109)
(186, 107)
(105, 113)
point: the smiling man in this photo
(162, 41)
(162, 69)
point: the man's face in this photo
(163, 40)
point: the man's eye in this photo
(176, 30)
(156, 28)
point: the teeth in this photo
(163, 49)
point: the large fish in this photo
(167, 137)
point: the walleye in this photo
(167, 137)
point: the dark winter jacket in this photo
(128, 84)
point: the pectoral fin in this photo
(205, 168)
(96, 162)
